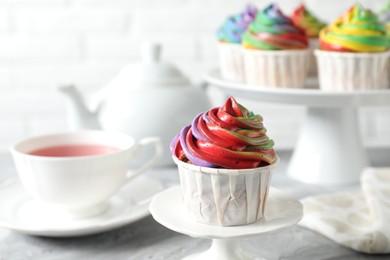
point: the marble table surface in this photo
(146, 239)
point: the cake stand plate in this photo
(282, 211)
(329, 149)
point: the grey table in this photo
(146, 239)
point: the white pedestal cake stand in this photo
(282, 211)
(329, 149)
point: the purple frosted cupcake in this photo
(229, 37)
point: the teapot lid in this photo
(154, 71)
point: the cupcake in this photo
(229, 37)
(353, 52)
(225, 161)
(275, 51)
(312, 26)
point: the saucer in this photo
(20, 212)
(282, 211)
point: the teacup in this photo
(77, 172)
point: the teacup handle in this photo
(158, 152)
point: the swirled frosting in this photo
(235, 26)
(305, 20)
(358, 30)
(228, 137)
(272, 30)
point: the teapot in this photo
(151, 99)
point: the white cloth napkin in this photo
(359, 220)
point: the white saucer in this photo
(21, 213)
(282, 211)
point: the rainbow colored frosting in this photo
(228, 137)
(235, 26)
(272, 30)
(305, 20)
(358, 30)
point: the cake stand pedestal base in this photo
(226, 249)
(329, 149)
(282, 211)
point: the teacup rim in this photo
(14, 148)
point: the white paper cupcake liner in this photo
(231, 62)
(314, 44)
(342, 71)
(224, 197)
(282, 68)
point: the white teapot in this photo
(152, 99)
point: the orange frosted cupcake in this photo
(312, 26)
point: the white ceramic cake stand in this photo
(329, 149)
(282, 211)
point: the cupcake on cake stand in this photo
(282, 211)
(225, 160)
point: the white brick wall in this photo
(27, 46)
(70, 20)
(45, 43)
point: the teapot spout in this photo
(79, 115)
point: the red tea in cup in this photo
(74, 150)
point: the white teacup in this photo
(77, 172)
